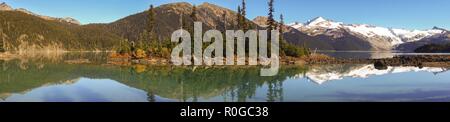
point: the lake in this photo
(55, 79)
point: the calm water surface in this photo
(52, 79)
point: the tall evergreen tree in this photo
(284, 45)
(271, 25)
(2, 41)
(239, 18)
(243, 16)
(193, 17)
(281, 27)
(224, 16)
(151, 31)
(151, 19)
(270, 21)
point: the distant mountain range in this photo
(6, 7)
(379, 38)
(40, 31)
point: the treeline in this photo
(147, 44)
(150, 44)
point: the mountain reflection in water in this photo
(42, 80)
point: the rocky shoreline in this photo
(416, 60)
(315, 59)
(411, 60)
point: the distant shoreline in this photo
(415, 59)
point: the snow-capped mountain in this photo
(6, 7)
(380, 38)
(322, 22)
(324, 74)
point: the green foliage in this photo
(2, 49)
(271, 21)
(165, 52)
(2, 41)
(294, 51)
(244, 23)
(151, 19)
(124, 47)
(239, 18)
(281, 27)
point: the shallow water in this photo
(52, 80)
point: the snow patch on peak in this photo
(415, 35)
(385, 38)
(374, 31)
(322, 22)
(296, 25)
(316, 20)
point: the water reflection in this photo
(325, 73)
(42, 80)
(158, 83)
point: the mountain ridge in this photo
(380, 37)
(6, 7)
(170, 17)
(24, 33)
(318, 33)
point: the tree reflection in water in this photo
(166, 83)
(234, 83)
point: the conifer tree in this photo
(193, 17)
(154, 44)
(271, 25)
(270, 20)
(151, 19)
(281, 27)
(239, 18)
(2, 41)
(283, 44)
(243, 16)
(224, 16)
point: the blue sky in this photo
(409, 14)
